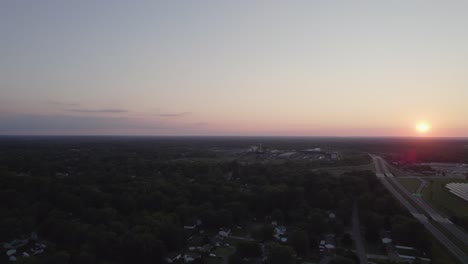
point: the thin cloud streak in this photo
(63, 104)
(97, 110)
(180, 114)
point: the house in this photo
(322, 246)
(409, 254)
(280, 230)
(330, 243)
(386, 240)
(190, 257)
(205, 248)
(329, 247)
(171, 258)
(38, 248)
(17, 243)
(224, 232)
(193, 225)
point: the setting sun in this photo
(422, 127)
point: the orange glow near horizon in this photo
(423, 127)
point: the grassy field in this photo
(398, 172)
(410, 184)
(447, 203)
(440, 255)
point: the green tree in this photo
(235, 259)
(263, 233)
(300, 242)
(341, 260)
(281, 255)
(61, 257)
(247, 249)
(278, 216)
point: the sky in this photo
(240, 68)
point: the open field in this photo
(410, 184)
(440, 254)
(447, 203)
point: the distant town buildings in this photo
(311, 154)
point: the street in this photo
(358, 241)
(387, 179)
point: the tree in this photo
(235, 259)
(224, 217)
(61, 257)
(342, 260)
(172, 236)
(143, 248)
(347, 240)
(84, 258)
(324, 199)
(300, 242)
(247, 249)
(281, 255)
(278, 216)
(263, 233)
(316, 223)
(374, 223)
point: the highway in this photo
(387, 179)
(422, 186)
(446, 223)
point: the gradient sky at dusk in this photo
(309, 68)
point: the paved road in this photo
(419, 201)
(360, 249)
(381, 169)
(421, 186)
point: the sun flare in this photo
(423, 127)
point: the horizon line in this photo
(238, 136)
